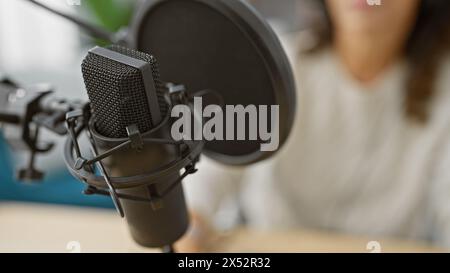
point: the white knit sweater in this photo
(353, 163)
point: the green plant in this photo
(112, 14)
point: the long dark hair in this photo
(428, 42)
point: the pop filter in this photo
(218, 45)
(225, 46)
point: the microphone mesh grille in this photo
(117, 93)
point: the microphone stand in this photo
(30, 110)
(168, 249)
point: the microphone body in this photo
(151, 224)
(124, 88)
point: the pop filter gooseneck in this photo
(94, 31)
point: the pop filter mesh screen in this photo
(203, 49)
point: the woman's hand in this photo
(199, 238)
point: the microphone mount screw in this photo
(177, 93)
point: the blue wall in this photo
(57, 188)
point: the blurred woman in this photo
(370, 151)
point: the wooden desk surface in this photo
(42, 228)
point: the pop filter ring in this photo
(265, 42)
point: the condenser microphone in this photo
(128, 122)
(126, 94)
